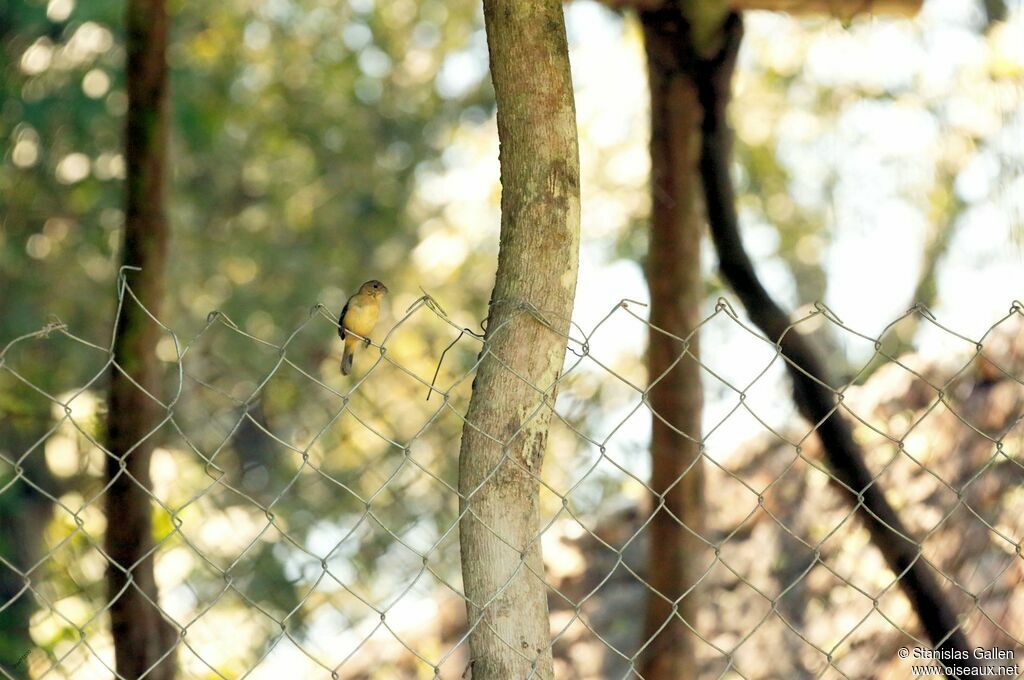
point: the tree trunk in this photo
(676, 398)
(505, 435)
(143, 640)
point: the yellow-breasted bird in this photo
(358, 318)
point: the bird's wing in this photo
(341, 321)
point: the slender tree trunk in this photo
(812, 393)
(504, 439)
(676, 287)
(143, 639)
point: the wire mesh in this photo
(306, 525)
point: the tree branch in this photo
(814, 399)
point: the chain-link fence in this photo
(306, 524)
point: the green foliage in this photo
(298, 131)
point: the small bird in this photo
(358, 318)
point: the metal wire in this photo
(339, 623)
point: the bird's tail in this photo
(346, 361)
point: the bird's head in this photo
(374, 288)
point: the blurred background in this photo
(319, 144)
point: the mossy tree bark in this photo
(505, 436)
(143, 640)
